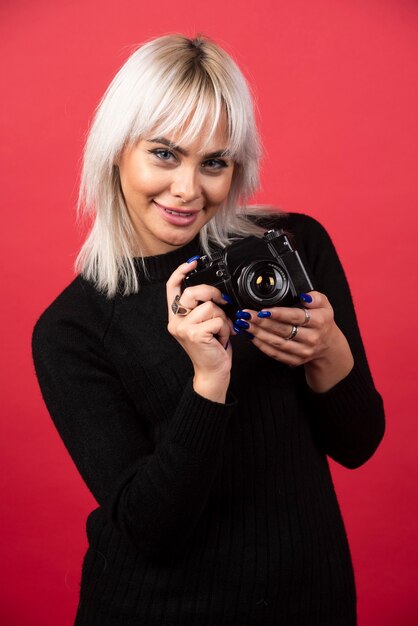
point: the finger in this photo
(270, 325)
(231, 327)
(174, 284)
(280, 339)
(223, 334)
(314, 300)
(205, 311)
(318, 313)
(295, 315)
(207, 331)
(280, 318)
(191, 296)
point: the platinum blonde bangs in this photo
(170, 84)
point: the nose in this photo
(186, 185)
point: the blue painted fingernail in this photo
(264, 314)
(226, 345)
(239, 331)
(241, 324)
(227, 298)
(194, 258)
(243, 315)
(305, 297)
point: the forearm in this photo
(348, 420)
(159, 500)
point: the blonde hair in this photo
(165, 83)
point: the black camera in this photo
(256, 272)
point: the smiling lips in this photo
(179, 217)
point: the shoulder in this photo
(308, 233)
(296, 223)
(79, 310)
(311, 240)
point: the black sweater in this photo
(209, 514)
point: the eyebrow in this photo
(174, 146)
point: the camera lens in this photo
(264, 282)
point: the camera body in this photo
(256, 272)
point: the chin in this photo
(181, 240)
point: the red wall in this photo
(336, 85)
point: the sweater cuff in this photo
(351, 396)
(199, 424)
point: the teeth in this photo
(180, 214)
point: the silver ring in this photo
(307, 317)
(293, 333)
(178, 308)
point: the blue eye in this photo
(214, 164)
(162, 153)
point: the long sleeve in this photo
(348, 420)
(208, 513)
(152, 492)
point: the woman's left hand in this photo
(304, 336)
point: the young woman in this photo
(203, 440)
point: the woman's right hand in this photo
(203, 333)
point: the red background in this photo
(336, 85)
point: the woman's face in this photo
(172, 190)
